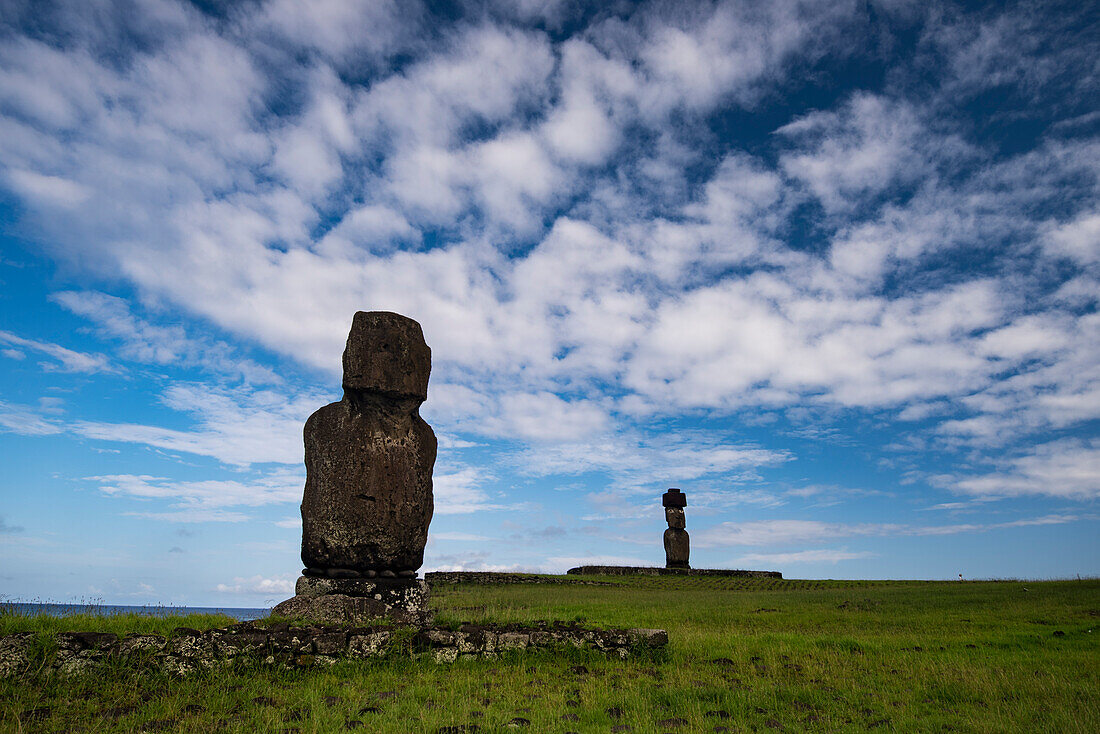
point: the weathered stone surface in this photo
(357, 601)
(369, 458)
(493, 578)
(330, 643)
(138, 644)
(187, 651)
(410, 593)
(371, 644)
(649, 637)
(386, 353)
(677, 548)
(13, 652)
(332, 609)
(674, 516)
(189, 643)
(81, 663)
(86, 640)
(245, 642)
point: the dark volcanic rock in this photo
(357, 601)
(386, 353)
(369, 457)
(674, 498)
(677, 548)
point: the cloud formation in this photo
(634, 237)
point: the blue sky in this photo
(831, 268)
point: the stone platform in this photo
(658, 571)
(326, 600)
(495, 578)
(279, 644)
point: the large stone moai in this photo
(677, 545)
(368, 493)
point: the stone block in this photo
(648, 637)
(357, 601)
(330, 643)
(140, 644)
(372, 644)
(14, 650)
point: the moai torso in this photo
(369, 457)
(677, 543)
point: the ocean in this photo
(63, 610)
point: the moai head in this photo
(675, 518)
(386, 354)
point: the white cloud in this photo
(779, 532)
(335, 28)
(823, 555)
(1078, 240)
(67, 360)
(580, 128)
(462, 537)
(459, 492)
(48, 189)
(236, 426)
(852, 155)
(192, 516)
(714, 53)
(168, 345)
(258, 585)
(1057, 383)
(787, 532)
(561, 564)
(191, 499)
(370, 228)
(1067, 469)
(634, 460)
(27, 421)
(764, 340)
(471, 561)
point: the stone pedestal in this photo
(358, 601)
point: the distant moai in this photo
(368, 496)
(369, 457)
(677, 545)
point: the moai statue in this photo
(369, 457)
(676, 538)
(368, 493)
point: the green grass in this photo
(769, 654)
(120, 624)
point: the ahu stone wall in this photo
(187, 651)
(655, 571)
(493, 578)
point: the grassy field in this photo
(744, 655)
